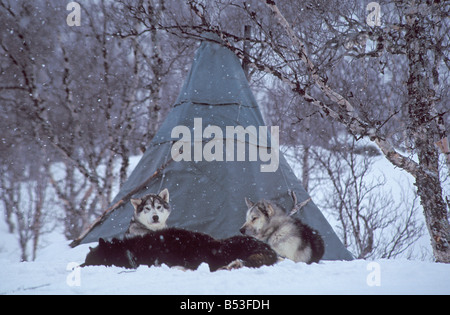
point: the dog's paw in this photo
(236, 264)
(179, 268)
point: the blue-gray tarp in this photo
(208, 196)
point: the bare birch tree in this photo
(371, 223)
(304, 48)
(86, 97)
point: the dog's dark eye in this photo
(158, 207)
(254, 219)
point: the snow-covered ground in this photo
(51, 273)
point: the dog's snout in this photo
(242, 230)
(155, 218)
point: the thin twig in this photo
(297, 206)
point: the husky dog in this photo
(150, 213)
(181, 248)
(288, 236)
(149, 242)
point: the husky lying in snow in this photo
(150, 214)
(149, 242)
(288, 236)
(178, 247)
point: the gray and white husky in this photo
(288, 236)
(150, 214)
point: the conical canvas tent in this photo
(208, 196)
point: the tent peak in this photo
(216, 77)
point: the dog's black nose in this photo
(242, 230)
(155, 218)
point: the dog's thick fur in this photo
(179, 247)
(288, 236)
(150, 214)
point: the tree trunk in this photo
(305, 168)
(430, 192)
(36, 228)
(423, 129)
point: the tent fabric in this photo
(209, 196)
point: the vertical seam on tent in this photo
(164, 170)
(284, 178)
(239, 112)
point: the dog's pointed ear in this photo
(270, 210)
(164, 194)
(136, 203)
(101, 241)
(249, 203)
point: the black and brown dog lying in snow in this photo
(183, 248)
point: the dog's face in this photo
(257, 219)
(152, 210)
